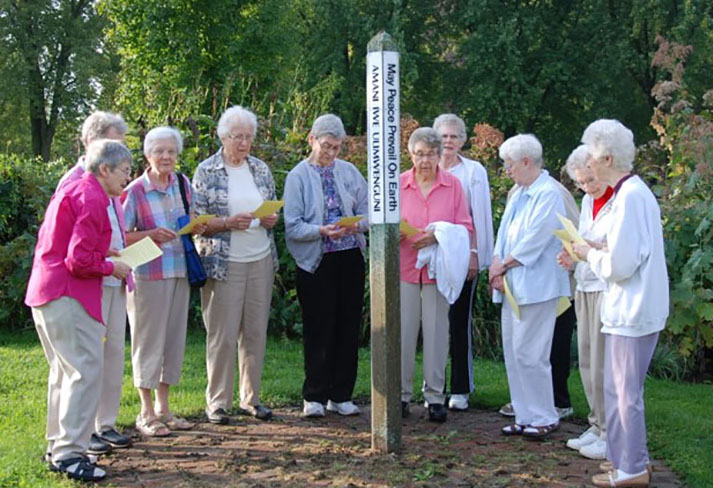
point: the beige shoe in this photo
(174, 422)
(151, 427)
(607, 466)
(609, 479)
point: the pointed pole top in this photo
(382, 42)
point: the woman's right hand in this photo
(565, 260)
(162, 234)
(121, 270)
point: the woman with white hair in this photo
(525, 255)
(593, 222)
(158, 306)
(635, 305)
(319, 191)
(240, 260)
(474, 180)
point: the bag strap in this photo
(182, 188)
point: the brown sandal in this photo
(512, 429)
(151, 427)
(533, 432)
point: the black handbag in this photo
(196, 272)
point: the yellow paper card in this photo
(268, 207)
(139, 253)
(511, 299)
(349, 221)
(562, 305)
(571, 230)
(566, 243)
(201, 219)
(408, 229)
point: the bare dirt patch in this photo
(468, 450)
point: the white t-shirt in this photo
(117, 242)
(251, 244)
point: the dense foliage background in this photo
(505, 66)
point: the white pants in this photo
(590, 342)
(422, 306)
(114, 315)
(526, 346)
(72, 341)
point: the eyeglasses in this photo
(586, 183)
(425, 155)
(240, 137)
(126, 171)
(325, 146)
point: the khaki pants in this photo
(114, 315)
(422, 306)
(158, 317)
(237, 311)
(72, 341)
(590, 347)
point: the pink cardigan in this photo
(445, 203)
(70, 256)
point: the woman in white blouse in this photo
(636, 302)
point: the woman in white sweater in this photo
(636, 304)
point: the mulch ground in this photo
(467, 450)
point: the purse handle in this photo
(182, 188)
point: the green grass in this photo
(679, 416)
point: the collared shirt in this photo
(592, 228)
(70, 256)
(147, 207)
(210, 182)
(526, 233)
(445, 202)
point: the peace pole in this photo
(383, 134)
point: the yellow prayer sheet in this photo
(571, 230)
(566, 243)
(349, 221)
(139, 253)
(510, 298)
(408, 229)
(268, 207)
(201, 219)
(562, 305)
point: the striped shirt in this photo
(147, 207)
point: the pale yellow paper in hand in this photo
(268, 207)
(571, 230)
(349, 221)
(408, 229)
(511, 299)
(562, 305)
(188, 228)
(139, 253)
(566, 243)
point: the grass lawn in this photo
(679, 415)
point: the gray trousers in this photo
(626, 362)
(590, 344)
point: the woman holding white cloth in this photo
(525, 254)
(636, 303)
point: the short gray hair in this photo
(452, 120)
(520, 147)
(98, 124)
(577, 160)
(428, 136)
(328, 125)
(609, 137)
(160, 134)
(106, 152)
(236, 115)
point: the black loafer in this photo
(260, 412)
(114, 439)
(404, 410)
(217, 416)
(437, 412)
(98, 446)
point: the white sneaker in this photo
(458, 402)
(588, 436)
(313, 409)
(595, 450)
(343, 408)
(565, 412)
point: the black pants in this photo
(331, 299)
(460, 318)
(560, 357)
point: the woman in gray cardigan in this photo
(319, 191)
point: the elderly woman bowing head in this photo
(240, 259)
(635, 303)
(158, 306)
(428, 194)
(525, 255)
(319, 191)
